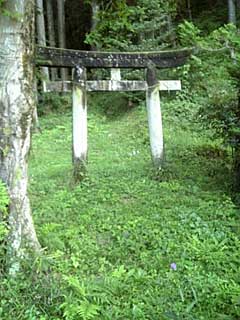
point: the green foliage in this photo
(114, 105)
(52, 102)
(212, 80)
(7, 13)
(2, 2)
(76, 304)
(153, 25)
(215, 87)
(143, 26)
(188, 34)
(221, 110)
(110, 241)
(114, 29)
(4, 200)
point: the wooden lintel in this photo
(113, 85)
(57, 57)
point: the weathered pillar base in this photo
(79, 170)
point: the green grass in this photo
(109, 241)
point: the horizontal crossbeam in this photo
(113, 85)
(57, 57)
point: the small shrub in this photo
(53, 102)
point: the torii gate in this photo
(80, 60)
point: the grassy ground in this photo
(130, 242)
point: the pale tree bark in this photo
(41, 34)
(16, 109)
(232, 18)
(94, 21)
(232, 12)
(95, 10)
(51, 32)
(171, 30)
(61, 31)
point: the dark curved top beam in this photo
(56, 57)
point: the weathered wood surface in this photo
(114, 85)
(57, 57)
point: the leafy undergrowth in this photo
(130, 242)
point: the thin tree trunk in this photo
(41, 34)
(94, 22)
(172, 34)
(232, 12)
(16, 109)
(61, 32)
(189, 9)
(51, 33)
(95, 10)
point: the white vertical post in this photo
(79, 134)
(116, 74)
(154, 118)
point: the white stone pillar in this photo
(79, 127)
(154, 118)
(116, 74)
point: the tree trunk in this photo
(51, 33)
(16, 109)
(61, 32)
(232, 12)
(41, 34)
(95, 10)
(189, 10)
(236, 178)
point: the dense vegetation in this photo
(130, 242)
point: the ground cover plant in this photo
(129, 242)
